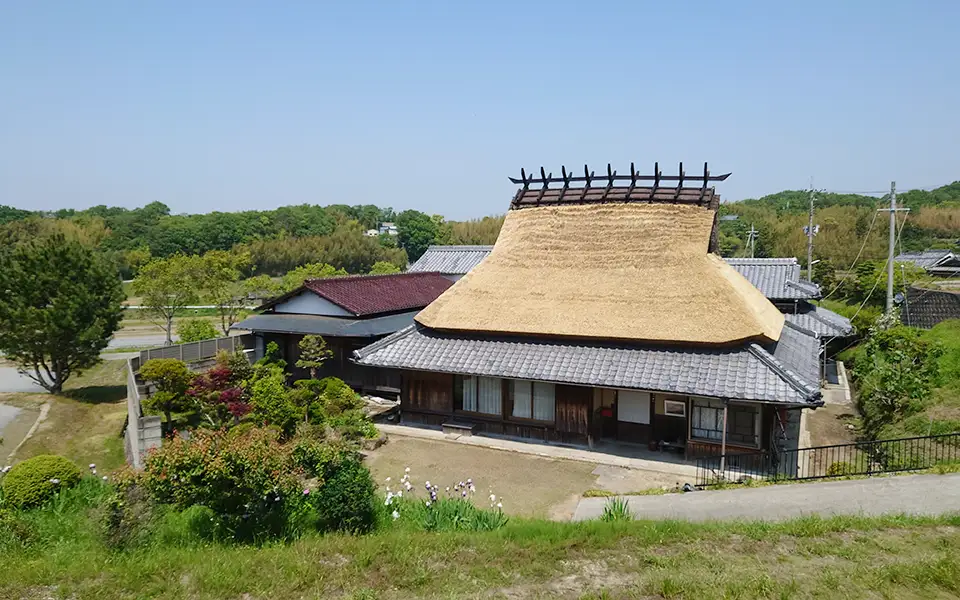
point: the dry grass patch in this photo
(528, 485)
(85, 422)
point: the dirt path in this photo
(528, 485)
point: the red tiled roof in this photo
(365, 295)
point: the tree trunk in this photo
(169, 331)
(169, 417)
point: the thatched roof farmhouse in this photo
(604, 312)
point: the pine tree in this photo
(61, 304)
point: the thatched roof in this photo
(618, 271)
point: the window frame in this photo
(458, 382)
(733, 438)
(674, 403)
(533, 401)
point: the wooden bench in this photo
(454, 428)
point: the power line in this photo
(877, 282)
(862, 246)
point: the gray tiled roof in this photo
(328, 326)
(777, 278)
(451, 260)
(789, 375)
(823, 322)
(925, 259)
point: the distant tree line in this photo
(277, 240)
(844, 220)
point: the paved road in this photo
(7, 415)
(911, 494)
(11, 381)
(148, 339)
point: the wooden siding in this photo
(432, 392)
(573, 409)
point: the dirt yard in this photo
(527, 485)
(829, 425)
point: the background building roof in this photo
(821, 321)
(450, 260)
(925, 308)
(926, 258)
(777, 278)
(326, 326)
(365, 295)
(786, 372)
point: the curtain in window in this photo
(469, 393)
(488, 400)
(522, 398)
(544, 401)
(707, 421)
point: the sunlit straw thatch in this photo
(621, 271)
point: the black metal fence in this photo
(860, 458)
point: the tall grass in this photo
(616, 509)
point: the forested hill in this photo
(844, 220)
(278, 240)
(282, 239)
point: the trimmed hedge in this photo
(37, 479)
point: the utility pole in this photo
(891, 252)
(893, 241)
(810, 237)
(752, 239)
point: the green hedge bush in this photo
(37, 479)
(345, 501)
(249, 480)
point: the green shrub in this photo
(129, 516)
(353, 425)
(345, 501)
(14, 531)
(271, 399)
(195, 330)
(840, 468)
(249, 481)
(895, 371)
(172, 378)
(37, 479)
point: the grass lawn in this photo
(85, 422)
(894, 557)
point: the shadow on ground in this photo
(97, 394)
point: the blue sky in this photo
(237, 105)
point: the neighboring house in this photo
(605, 313)
(389, 229)
(925, 308)
(453, 262)
(372, 233)
(778, 279)
(349, 312)
(942, 263)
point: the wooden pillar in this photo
(723, 439)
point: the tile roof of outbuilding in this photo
(365, 295)
(450, 260)
(777, 278)
(824, 322)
